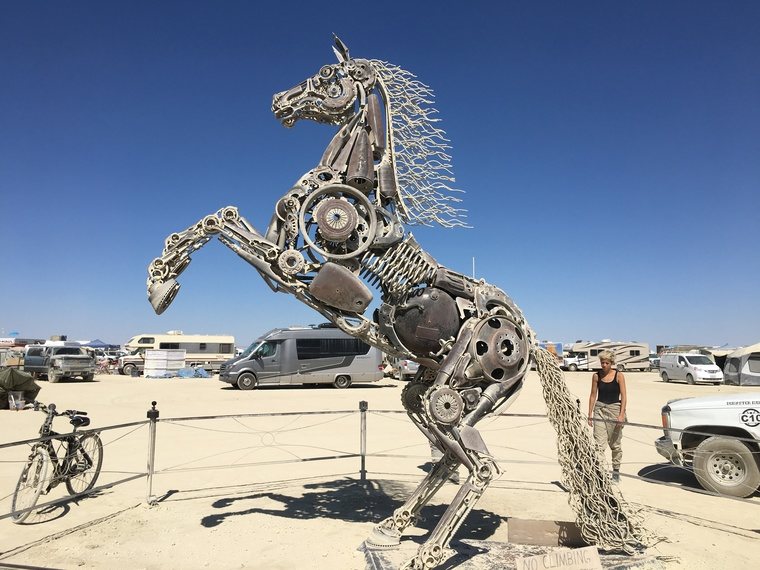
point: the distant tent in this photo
(97, 343)
(743, 366)
(12, 379)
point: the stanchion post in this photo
(153, 417)
(363, 438)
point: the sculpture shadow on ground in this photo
(350, 501)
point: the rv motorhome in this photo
(208, 351)
(317, 354)
(584, 355)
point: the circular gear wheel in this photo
(500, 347)
(336, 219)
(446, 406)
(333, 211)
(412, 397)
(291, 262)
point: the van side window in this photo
(146, 340)
(34, 352)
(267, 349)
(308, 348)
(594, 352)
(169, 345)
(681, 360)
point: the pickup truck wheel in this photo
(573, 368)
(665, 377)
(247, 381)
(88, 377)
(726, 466)
(689, 379)
(342, 382)
(128, 369)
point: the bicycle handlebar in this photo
(51, 409)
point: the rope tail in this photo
(604, 518)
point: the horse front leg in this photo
(236, 233)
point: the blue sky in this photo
(609, 154)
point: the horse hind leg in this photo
(387, 534)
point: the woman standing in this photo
(606, 409)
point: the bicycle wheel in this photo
(87, 462)
(34, 478)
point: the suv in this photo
(407, 369)
(56, 361)
(703, 432)
(689, 366)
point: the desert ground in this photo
(279, 486)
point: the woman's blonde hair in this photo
(607, 355)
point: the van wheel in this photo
(572, 368)
(665, 377)
(689, 379)
(247, 381)
(726, 466)
(128, 369)
(342, 382)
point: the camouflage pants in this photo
(608, 432)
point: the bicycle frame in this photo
(66, 466)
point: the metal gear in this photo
(291, 262)
(411, 397)
(336, 219)
(500, 347)
(445, 405)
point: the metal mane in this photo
(419, 150)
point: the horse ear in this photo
(340, 49)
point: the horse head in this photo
(329, 96)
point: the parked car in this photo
(407, 369)
(689, 366)
(701, 433)
(654, 361)
(59, 359)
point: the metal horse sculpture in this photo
(340, 231)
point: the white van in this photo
(689, 366)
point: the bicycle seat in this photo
(79, 421)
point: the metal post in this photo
(363, 438)
(153, 417)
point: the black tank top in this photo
(608, 392)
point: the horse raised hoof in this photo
(161, 295)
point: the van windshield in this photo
(700, 360)
(253, 346)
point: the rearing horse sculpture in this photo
(340, 231)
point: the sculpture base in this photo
(485, 555)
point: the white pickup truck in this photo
(719, 436)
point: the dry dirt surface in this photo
(273, 481)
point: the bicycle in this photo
(74, 459)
